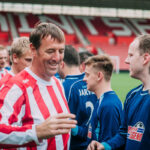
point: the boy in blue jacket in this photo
(106, 117)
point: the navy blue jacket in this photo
(81, 103)
(135, 128)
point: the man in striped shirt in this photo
(33, 110)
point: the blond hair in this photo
(20, 46)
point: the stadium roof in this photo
(112, 8)
(131, 4)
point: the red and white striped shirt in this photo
(6, 79)
(26, 101)
(3, 72)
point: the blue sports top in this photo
(68, 82)
(135, 128)
(81, 103)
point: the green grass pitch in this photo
(122, 83)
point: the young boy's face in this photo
(90, 78)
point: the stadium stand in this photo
(98, 34)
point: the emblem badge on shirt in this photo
(89, 135)
(136, 132)
(25, 81)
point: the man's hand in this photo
(55, 125)
(94, 145)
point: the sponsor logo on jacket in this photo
(136, 132)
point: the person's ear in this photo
(33, 50)
(100, 75)
(146, 58)
(62, 64)
(14, 58)
(83, 67)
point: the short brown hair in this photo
(71, 56)
(101, 63)
(144, 43)
(43, 30)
